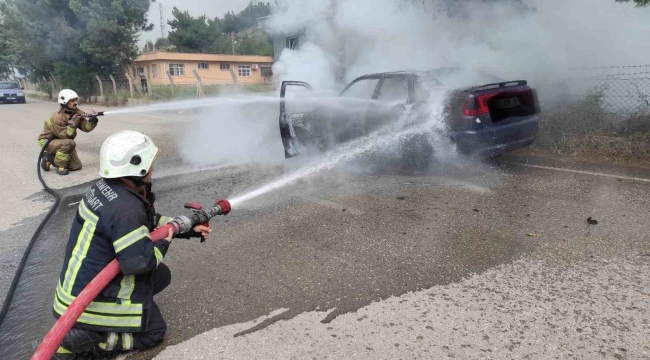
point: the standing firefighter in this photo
(62, 127)
(114, 220)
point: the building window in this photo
(177, 69)
(244, 70)
(224, 66)
(203, 66)
(154, 71)
(267, 71)
(292, 43)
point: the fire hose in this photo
(179, 225)
(55, 336)
(23, 261)
(30, 245)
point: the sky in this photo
(194, 7)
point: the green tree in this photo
(222, 45)
(148, 47)
(248, 17)
(162, 44)
(230, 23)
(245, 19)
(73, 76)
(190, 34)
(203, 35)
(639, 3)
(252, 45)
(96, 36)
(5, 55)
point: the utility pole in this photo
(162, 22)
(232, 41)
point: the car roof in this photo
(375, 75)
(425, 73)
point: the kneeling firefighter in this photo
(114, 220)
(62, 127)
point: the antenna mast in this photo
(162, 22)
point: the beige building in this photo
(211, 68)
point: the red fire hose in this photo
(181, 224)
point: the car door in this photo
(356, 99)
(392, 97)
(293, 124)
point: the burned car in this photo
(485, 120)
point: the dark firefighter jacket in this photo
(112, 221)
(57, 126)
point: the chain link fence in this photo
(609, 117)
(624, 94)
(618, 90)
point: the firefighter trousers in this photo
(156, 327)
(64, 153)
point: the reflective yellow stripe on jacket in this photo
(159, 256)
(101, 313)
(131, 238)
(101, 307)
(81, 248)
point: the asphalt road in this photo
(468, 261)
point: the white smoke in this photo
(542, 41)
(292, 65)
(549, 38)
(232, 133)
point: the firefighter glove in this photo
(74, 121)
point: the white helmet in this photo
(66, 95)
(126, 153)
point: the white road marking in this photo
(582, 172)
(74, 203)
(333, 205)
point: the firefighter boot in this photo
(62, 171)
(46, 161)
(79, 341)
(63, 354)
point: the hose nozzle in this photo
(224, 205)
